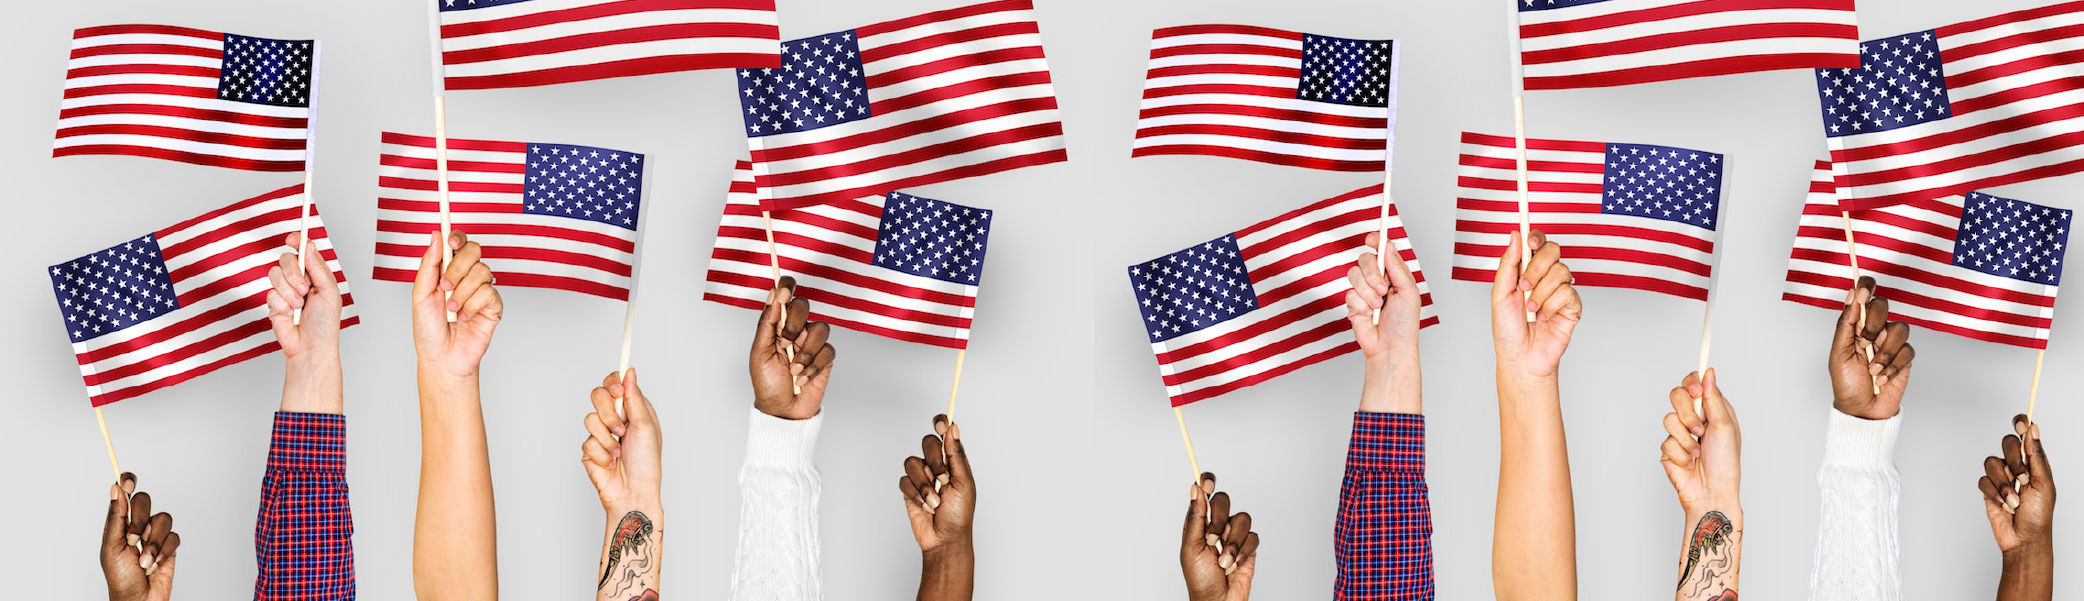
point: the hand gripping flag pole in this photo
(441, 138)
(1519, 139)
(774, 261)
(1852, 258)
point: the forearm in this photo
(312, 383)
(455, 550)
(633, 547)
(1710, 554)
(2029, 575)
(1393, 385)
(948, 573)
(1534, 538)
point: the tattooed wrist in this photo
(1712, 554)
(630, 558)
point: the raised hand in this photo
(1218, 551)
(790, 362)
(1390, 382)
(939, 491)
(138, 547)
(1853, 375)
(1701, 454)
(2021, 517)
(453, 350)
(1533, 350)
(622, 455)
(309, 288)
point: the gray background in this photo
(1076, 450)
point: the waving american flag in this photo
(188, 95)
(1595, 43)
(183, 301)
(1265, 300)
(899, 104)
(1978, 266)
(1961, 108)
(893, 265)
(1269, 95)
(518, 43)
(1627, 215)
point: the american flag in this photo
(551, 215)
(932, 98)
(1627, 215)
(1977, 266)
(1595, 43)
(1269, 95)
(181, 302)
(187, 95)
(1265, 300)
(519, 43)
(1965, 107)
(894, 265)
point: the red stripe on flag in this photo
(143, 29)
(975, 86)
(177, 133)
(951, 38)
(1257, 155)
(1681, 39)
(1186, 30)
(945, 15)
(166, 49)
(1674, 11)
(599, 39)
(595, 11)
(1286, 137)
(193, 158)
(1311, 117)
(200, 114)
(141, 88)
(1699, 68)
(454, 143)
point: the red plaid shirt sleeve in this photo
(1384, 534)
(302, 539)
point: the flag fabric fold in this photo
(1264, 300)
(932, 98)
(554, 216)
(1596, 43)
(188, 95)
(184, 301)
(1627, 215)
(520, 43)
(1965, 107)
(893, 265)
(1269, 95)
(1977, 266)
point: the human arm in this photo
(1702, 454)
(790, 365)
(455, 546)
(1534, 537)
(1857, 553)
(940, 496)
(303, 537)
(1383, 533)
(1218, 551)
(622, 457)
(2022, 514)
(138, 548)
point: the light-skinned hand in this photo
(1853, 375)
(452, 351)
(1702, 452)
(790, 362)
(1533, 351)
(138, 548)
(1390, 347)
(939, 491)
(1218, 551)
(2021, 517)
(622, 454)
(312, 289)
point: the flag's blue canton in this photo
(2014, 239)
(1192, 290)
(113, 289)
(583, 182)
(933, 239)
(1900, 83)
(1661, 182)
(1534, 5)
(449, 5)
(264, 71)
(820, 83)
(1350, 72)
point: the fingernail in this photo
(1193, 492)
(1531, 307)
(1229, 570)
(933, 500)
(144, 560)
(134, 540)
(455, 306)
(1214, 541)
(1697, 431)
(618, 431)
(1223, 560)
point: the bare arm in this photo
(1701, 457)
(2019, 496)
(455, 548)
(1534, 539)
(622, 458)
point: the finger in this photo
(1250, 550)
(1682, 409)
(910, 492)
(1400, 276)
(279, 308)
(936, 461)
(167, 551)
(161, 525)
(1877, 318)
(596, 452)
(635, 403)
(1218, 517)
(1993, 468)
(1234, 534)
(1363, 292)
(140, 513)
(821, 367)
(1849, 316)
(811, 340)
(922, 479)
(484, 302)
(283, 280)
(1679, 432)
(1196, 529)
(2014, 459)
(1716, 405)
(465, 259)
(1546, 256)
(477, 277)
(1208, 484)
(792, 324)
(115, 525)
(1557, 277)
(770, 318)
(1377, 282)
(1899, 362)
(599, 431)
(428, 279)
(1563, 303)
(1893, 337)
(1990, 493)
(1506, 282)
(604, 410)
(959, 464)
(1676, 452)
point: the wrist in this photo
(444, 384)
(955, 556)
(1392, 384)
(2031, 554)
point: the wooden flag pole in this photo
(1852, 256)
(629, 307)
(1519, 141)
(296, 318)
(1192, 460)
(107, 443)
(774, 261)
(957, 384)
(441, 139)
(2033, 395)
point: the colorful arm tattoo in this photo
(1711, 560)
(631, 554)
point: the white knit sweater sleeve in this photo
(1856, 554)
(778, 512)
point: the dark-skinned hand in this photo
(138, 547)
(1218, 550)
(1853, 375)
(2021, 517)
(790, 362)
(940, 493)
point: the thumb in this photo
(321, 273)
(634, 403)
(427, 281)
(2037, 461)
(1196, 532)
(958, 463)
(1506, 283)
(770, 317)
(1719, 412)
(1849, 317)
